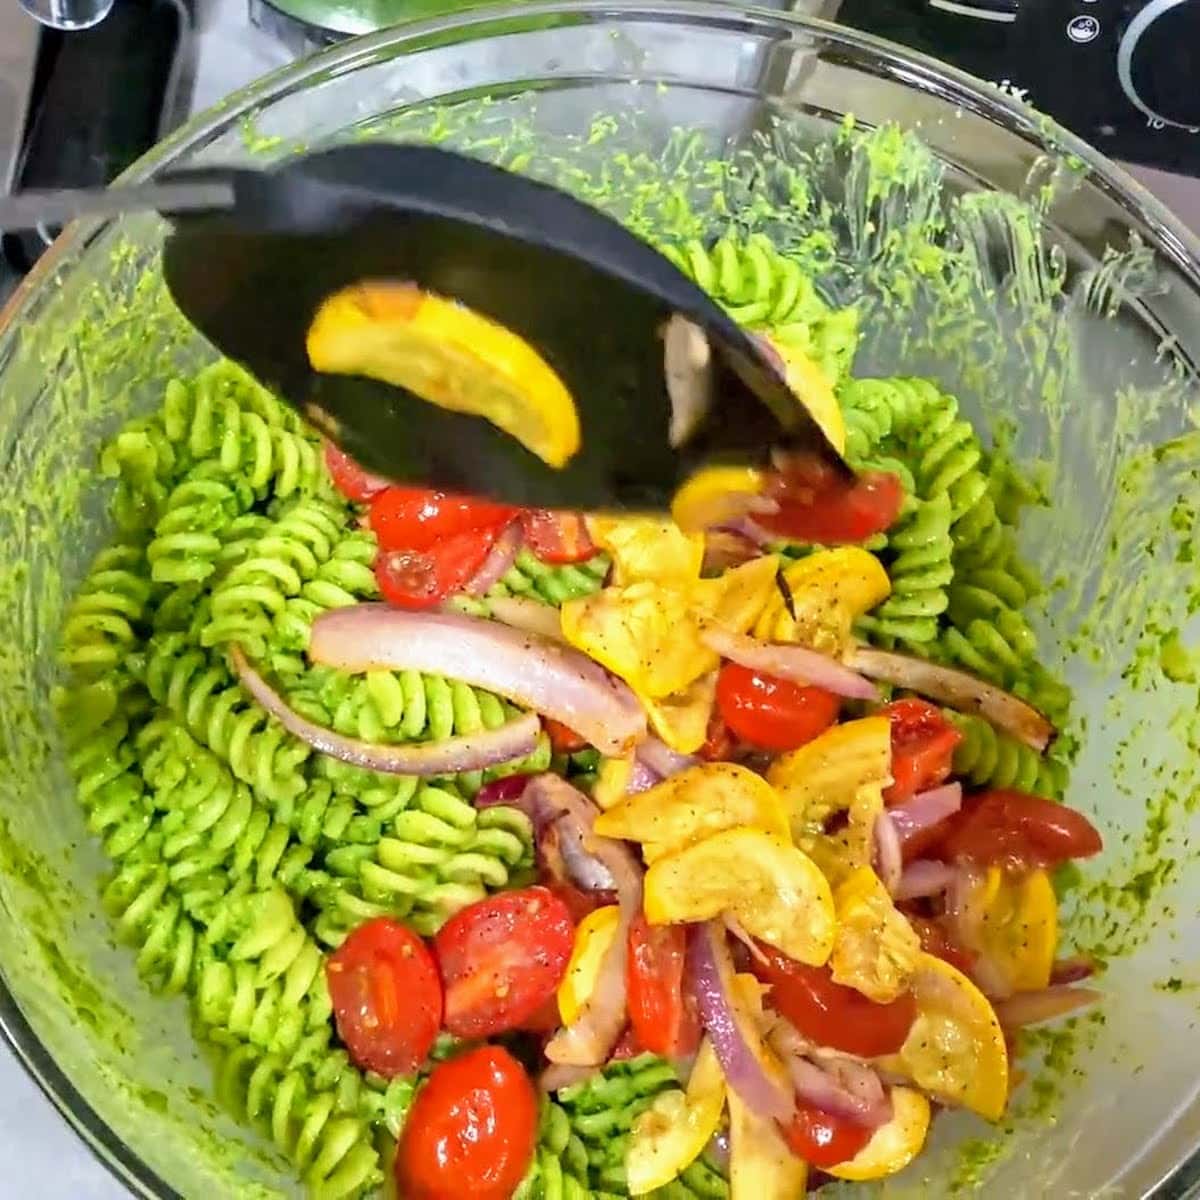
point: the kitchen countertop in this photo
(43, 1159)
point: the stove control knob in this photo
(1157, 62)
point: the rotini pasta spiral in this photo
(439, 855)
(268, 988)
(253, 592)
(219, 841)
(920, 570)
(529, 576)
(559, 1170)
(990, 758)
(100, 629)
(200, 691)
(330, 1147)
(763, 289)
(601, 1111)
(346, 577)
(144, 462)
(187, 538)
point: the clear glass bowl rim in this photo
(1156, 224)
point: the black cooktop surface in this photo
(1121, 75)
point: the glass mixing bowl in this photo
(1057, 299)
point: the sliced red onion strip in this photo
(529, 669)
(796, 663)
(559, 1075)
(924, 877)
(958, 689)
(1031, 1008)
(641, 778)
(583, 868)
(1074, 969)
(530, 616)
(562, 821)
(889, 863)
(499, 559)
(925, 811)
(589, 1039)
(661, 759)
(842, 1087)
(725, 548)
(470, 752)
(739, 1049)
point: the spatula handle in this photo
(27, 210)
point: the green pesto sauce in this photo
(914, 265)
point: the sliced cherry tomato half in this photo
(829, 1013)
(501, 959)
(349, 478)
(1008, 828)
(923, 744)
(818, 505)
(471, 1131)
(562, 739)
(410, 518)
(662, 1013)
(423, 578)
(771, 713)
(822, 1139)
(387, 997)
(936, 941)
(557, 537)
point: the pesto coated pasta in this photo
(243, 857)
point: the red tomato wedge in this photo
(387, 997)
(1008, 828)
(822, 1139)
(662, 1014)
(501, 959)
(828, 1013)
(557, 537)
(410, 518)
(423, 578)
(771, 713)
(562, 739)
(923, 744)
(349, 478)
(817, 505)
(472, 1130)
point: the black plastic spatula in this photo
(591, 298)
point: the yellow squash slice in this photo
(761, 1166)
(875, 949)
(696, 803)
(648, 632)
(955, 1050)
(829, 590)
(845, 769)
(715, 495)
(894, 1145)
(1013, 924)
(682, 720)
(775, 891)
(667, 1138)
(592, 940)
(448, 355)
(812, 385)
(651, 548)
